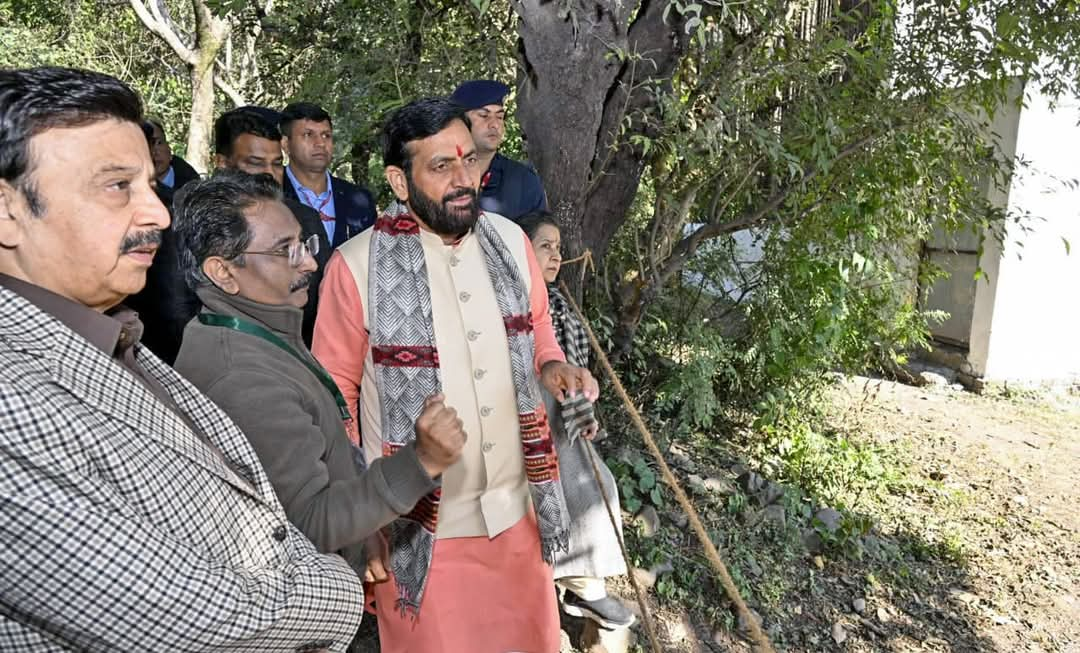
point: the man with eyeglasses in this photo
(134, 515)
(243, 253)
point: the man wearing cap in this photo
(510, 188)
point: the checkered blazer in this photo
(120, 530)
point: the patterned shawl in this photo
(577, 412)
(407, 371)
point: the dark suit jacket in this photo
(353, 205)
(165, 304)
(183, 171)
(311, 223)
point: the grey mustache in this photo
(141, 239)
(302, 282)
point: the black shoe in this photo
(607, 612)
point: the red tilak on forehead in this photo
(459, 152)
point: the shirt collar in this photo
(170, 177)
(298, 186)
(113, 332)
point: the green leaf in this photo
(657, 497)
(641, 467)
(633, 504)
(1007, 24)
(647, 481)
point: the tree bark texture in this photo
(210, 35)
(588, 69)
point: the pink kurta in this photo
(483, 596)
(489, 589)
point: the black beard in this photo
(439, 216)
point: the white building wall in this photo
(1034, 331)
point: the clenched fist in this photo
(440, 436)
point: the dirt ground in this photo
(1009, 500)
(976, 549)
(979, 543)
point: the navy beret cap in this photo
(480, 93)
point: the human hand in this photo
(440, 435)
(377, 551)
(563, 380)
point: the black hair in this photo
(530, 223)
(154, 122)
(234, 124)
(34, 100)
(209, 218)
(302, 111)
(148, 132)
(417, 120)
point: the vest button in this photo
(485, 411)
(464, 296)
(488, 446)
(479, 374)
(472, 335)
(280, 533)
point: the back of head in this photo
(233, 124)
(302, 111)
(417, 120)
(33, 100)
(209, 218)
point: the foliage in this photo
(362, 60)
(638, 483)
(84, 34)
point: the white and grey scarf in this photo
(407, 371)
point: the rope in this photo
(760, 641)
(646, 616)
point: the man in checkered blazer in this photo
(134, 515)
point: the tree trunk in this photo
(584, 72)
(561, 97)
(359, 157)
(210, 35)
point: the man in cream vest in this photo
(439, 302)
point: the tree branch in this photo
(157, 25)
(689, 245)
(234, 96)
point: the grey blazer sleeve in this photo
(334, 514)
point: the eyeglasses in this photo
(296, 252)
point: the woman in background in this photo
(594, 551)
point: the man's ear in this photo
(395, 176)
(285, 145)
(220, 162)
(10, 229)
(219, 272)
